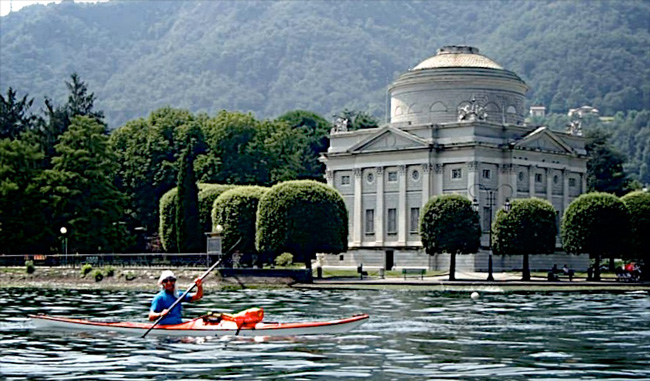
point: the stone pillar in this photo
(379, 213)
(505, 177)
(401, 211)
(583, 177)
(473, 180)
(438, 180)
(358, 226)
(329, 175)
(549, 185)
(426, 183)
(513, 181)
(565, 189)
(531, 181)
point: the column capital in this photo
(426, 168)
(506, 168)
(329, 175)
(472, 166)
(357, 172)
(437, 168)
(379, 170)
(401, 169)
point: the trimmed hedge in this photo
(638, 205)
(529, 227)
(167, 230)
(236, 211)
(302, 217)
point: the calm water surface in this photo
(410, 336)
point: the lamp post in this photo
(492, 194)
(213, 243)
(64, 243)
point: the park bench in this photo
(361, 272)
(555, 276)
(415, 272)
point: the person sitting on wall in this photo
(568, 272)
(552, 274)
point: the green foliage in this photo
(168, 206)
(29, 267)
(189, 236)
(81, 188)
(15, 118)
(86, 269)
(284, 259)
(638, 205)
(449, 225)
(208, 194)
(605, 167)
(236, 211)
(110, 271)
(528, 228)
(301, 217)
(597, 224)
(98, 275)
(315, 131)
(357, 120)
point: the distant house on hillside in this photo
(538, 111)
(581, 111)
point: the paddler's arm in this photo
(155, 315)
(199, 290)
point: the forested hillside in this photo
(269, 57)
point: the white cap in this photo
(165, 274)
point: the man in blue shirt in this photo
(167, 296)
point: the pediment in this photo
(388, 139)
(543, 139)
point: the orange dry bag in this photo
(245, 318)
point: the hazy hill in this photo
(269, 57)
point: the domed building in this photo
(456, 126)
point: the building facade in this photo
(456, 126)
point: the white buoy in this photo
(474, 295)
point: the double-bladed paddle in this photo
(205, 274)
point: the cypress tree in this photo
(188, 227)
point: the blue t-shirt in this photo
(164, 300)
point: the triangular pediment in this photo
(388, 139)
(543, 139)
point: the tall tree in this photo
(315, 130)
(189, 234)
(81, 187)
(449, 225)
(80, 103)
(15, 117)
(605, 167)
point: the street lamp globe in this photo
(219, 229)
(63, 230)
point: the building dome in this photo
(458, 84)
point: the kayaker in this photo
(168, 295)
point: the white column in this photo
(531, 181)
(358, 226)
(379, 213)
(513, 180)
(438, 180)
(472, 180)
(565, 189)
(329, 175)
(426, 183)
(504, 178)
(401, 211)
(549, 185)
(583, 176)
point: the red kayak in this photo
(204, 327)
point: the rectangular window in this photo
(457, 173)
(345, 180)
(392, 221)
(486, 174)
(370, 221)
(415, 220)
(538, 177)
(392, 177)
(572, 182)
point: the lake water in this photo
(410, 336)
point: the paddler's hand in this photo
(198, 282)
(199, 290)
(158, 315)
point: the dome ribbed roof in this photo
(457, 56)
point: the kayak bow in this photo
(201, 327)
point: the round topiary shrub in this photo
(449, 225)
(597, 224)
(29, 267)
(86, 269)
(284, 259)
(236, 211)
(301, 217)
(529, 227)
(110, 271)
(98, 275)
(638, 205)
